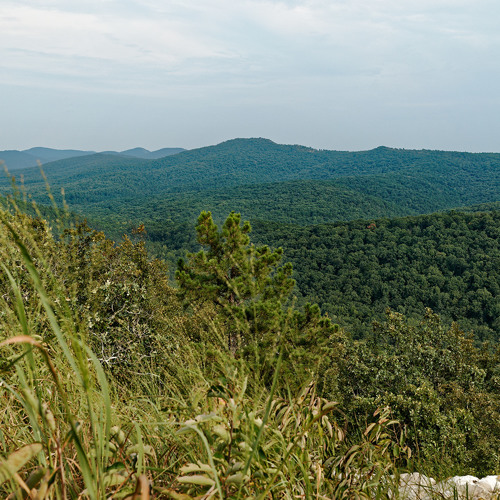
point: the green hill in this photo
(86, 179)
(111, 373)
(352, 269)
(15, 160)
(414, 181)
(300, 202)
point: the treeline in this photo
(285, 183)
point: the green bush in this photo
(437, 383)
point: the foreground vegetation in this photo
(117, 384)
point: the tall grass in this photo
(53, 382)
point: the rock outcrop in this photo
(416, 486)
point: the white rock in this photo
(415, 486)
(490, 483)
(463, 480)
(477, 492)
(444, 489)
(468, 487)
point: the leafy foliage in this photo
(123, 297)
(436, 382)
(241, 279)
(251, 294)
(71, 433)
(296, 448)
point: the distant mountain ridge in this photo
(45, 155)
(146, 154)
(15, 160)
(268, 180)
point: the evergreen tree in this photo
(245, 282)
(250, 292)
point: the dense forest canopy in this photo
(449, 262)
(406, 181)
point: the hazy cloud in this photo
(352, 59)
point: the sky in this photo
(329, 74)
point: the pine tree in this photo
(245, 282)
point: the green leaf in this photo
(197, 480)
(114, 479)
(116, 466)
(17, 459)
(199, 467)
(222, 432)
(236, 479)
(137, 448)
(172, 494)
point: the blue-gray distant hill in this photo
(145, 154)
(45, 155)
(151, 155)
(15, 160)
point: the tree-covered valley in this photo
(295, 197)
(348, 333)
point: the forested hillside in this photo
(449, 262)
(353, 270)
(356, 270)
(404, 182)
(232, 350)
(300, 202)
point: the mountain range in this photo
(265, 180)
(329, 210)
(15, 159)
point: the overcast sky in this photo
(332, 74)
